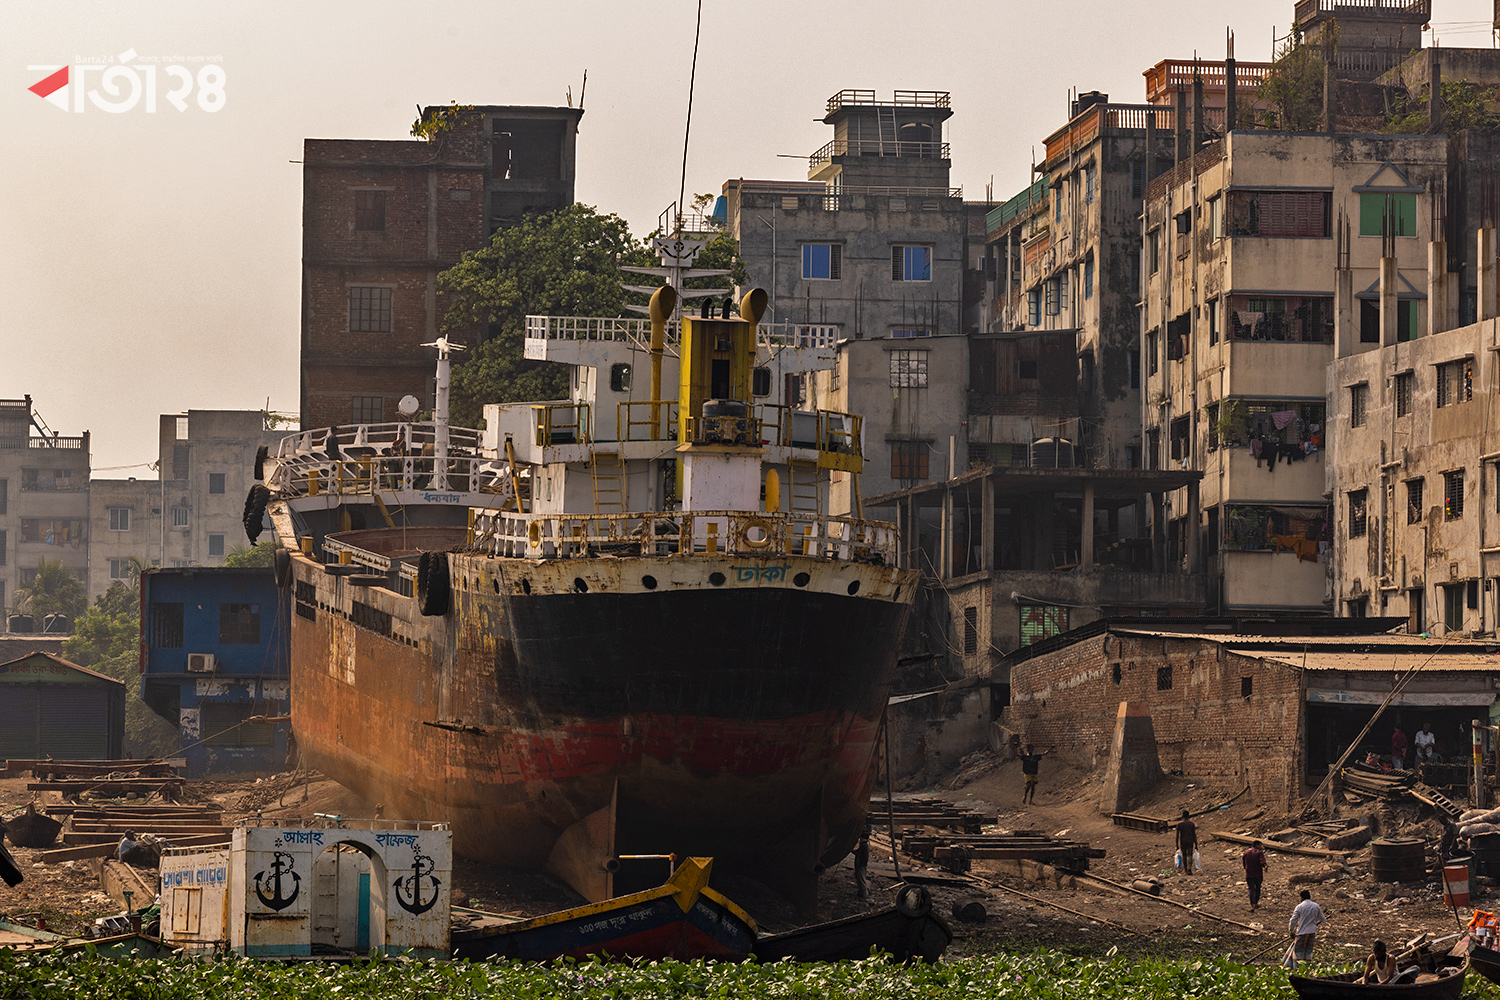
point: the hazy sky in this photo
(149, 262)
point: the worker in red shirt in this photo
(1254, 860)
(1398, 749)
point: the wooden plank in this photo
(1271, 845)
(73, 839)
(114, 785)
(61, 854)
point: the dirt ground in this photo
(1027, 904)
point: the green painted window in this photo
(1372, 207)
(1042, 621)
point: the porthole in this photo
(853, 588)
(526, 587)
(648, 581)
(801, 579)
(717, 579)
(580, 585)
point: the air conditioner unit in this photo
(201, 663)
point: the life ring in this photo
(765, 530)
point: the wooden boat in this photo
(1485, 961)
(683, 919)
(907, 931)
(1441, 978)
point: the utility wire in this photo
(688, 128)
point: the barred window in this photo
(369, 310)
(909, 369)
(1405, 386)
(1358, 501)
(1453, 495)
(910, 263)
(367, 409)
(1455, 382)
(239, 624)
(1042, 621)
(971, 630)
(1359, 396)
(1414, 501)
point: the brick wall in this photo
(1204, 725)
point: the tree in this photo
(564, 263)
(1293, 89)
(257, 555)
(106, 638)
(53, 591)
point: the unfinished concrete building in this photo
(1017, 555)
(1241, 245)
(382, 218)
(44, 499)
(871, 249)
(1260, 702)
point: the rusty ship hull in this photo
(566, 712)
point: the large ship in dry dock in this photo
(618, 624)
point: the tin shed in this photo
(52, 708)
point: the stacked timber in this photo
(955, 852)
(47, 768)
(1390, 785)
(930, 811)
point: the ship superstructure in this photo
(618, 623)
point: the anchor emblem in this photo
(411, 885)
(281, 867)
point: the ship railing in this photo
(637, 332)
(674, 533)
(561, 423)
(724, 430)
(376, 474)
(354, 440)
(332, 549)
(634, 420)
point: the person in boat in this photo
(1380, 967)
(1307, 916)
(1254, 860)
(1187, 841)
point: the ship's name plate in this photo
(442, 497)
(768, 574)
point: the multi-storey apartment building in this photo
(381, 219)
(44, 499)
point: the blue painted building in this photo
(213, 658)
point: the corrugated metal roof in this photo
(1379, 662)
(1392, 641)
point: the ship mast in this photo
(440, 407)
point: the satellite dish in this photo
(408, 405)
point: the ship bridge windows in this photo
(760, 381)
(619, 377)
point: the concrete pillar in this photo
(1345, 314)
(1437, 287)
(945, 557)
(1487, 272)
(1086, 530)
(1134, 766)
(1388, 312)
(1191, 527)
(987, 513)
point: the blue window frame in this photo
(823, 261)
(910, 263)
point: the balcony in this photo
(877, 147)
(1171, 75)
(899, 99)
(1085, 128)
(1309, 12)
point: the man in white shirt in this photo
(1425, 740)
(1304, 928)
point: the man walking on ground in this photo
(1030, 766)
(1187, 842)
(1398, 749)
(1254, 860)
(1303, 929)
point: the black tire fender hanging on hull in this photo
(433, 593)
(255, 511)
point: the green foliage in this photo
(1030, 976)
(106, 638)
(1465, 106)
(257, 555)
(54, 591)
(1293, 89)
(437, 122)
(561, 263)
